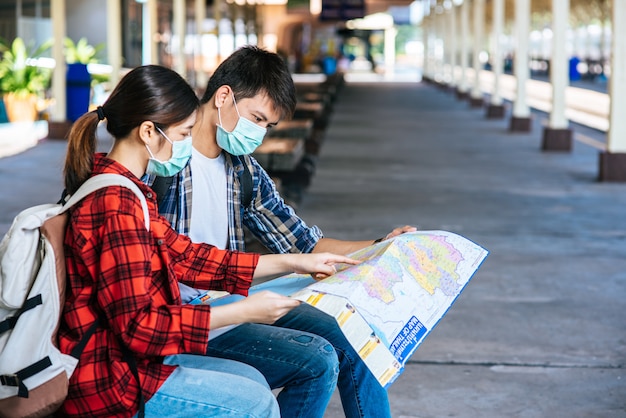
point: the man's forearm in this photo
(339, 246)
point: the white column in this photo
(259, 27)
(616, 138)
(425, 40)
(559, 74)
(432, 43)
(440, 56)
(217, 15)
(430, 52)
(233, 15)
(443, 44)
(114, 39)
(496, 61)
(463, 84)
(58, 113)
(520, 63)
(179, 18)
(603, 41)
(452, 45)
(149, 30)
(478, 30)
(200, 11)
(390, 51)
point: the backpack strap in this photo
(246, 185)
(127, 356)
(101, 181)
(9, 323)
(17, 379)
(160, 186)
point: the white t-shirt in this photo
(209, 211)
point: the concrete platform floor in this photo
(540, 330)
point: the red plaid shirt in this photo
(126, 277)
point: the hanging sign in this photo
(342, 10)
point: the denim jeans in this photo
(284, 358)
(304, 365)
(212, 387)
(361, 393)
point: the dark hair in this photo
(251, 70)
(146, 93)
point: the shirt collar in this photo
(103, 164)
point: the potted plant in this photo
(77, 56)
(22, 82)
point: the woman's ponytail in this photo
(81, 147)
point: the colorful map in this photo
(400, 290)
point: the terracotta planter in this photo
(21, 108)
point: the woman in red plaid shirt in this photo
(126, 277)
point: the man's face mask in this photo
(244, 139)
(181, 152)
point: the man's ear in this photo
(222, 94)
(147, 132)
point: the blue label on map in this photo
(407, 339)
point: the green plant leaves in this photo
(18, 74)
(81, 51)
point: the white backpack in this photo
(34, 374)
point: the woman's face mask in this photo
(181, 152)
(244, 139)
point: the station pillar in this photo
(520, 119)
(613, 160)
(557, 136)
(495, 110)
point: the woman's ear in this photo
(147, 132)
(221, 95)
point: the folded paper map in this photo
(391, 301)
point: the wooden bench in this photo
(279, 154)
(295, 128)
(316, 112)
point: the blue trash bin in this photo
(330, 65)
(4, 118)
(574, 74)
(78, 90)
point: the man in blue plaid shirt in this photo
(251, 91)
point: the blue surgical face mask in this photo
(244, 139)
(181, 152)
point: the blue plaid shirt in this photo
(268, 217)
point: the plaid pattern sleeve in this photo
(271, 220)
(231, 271)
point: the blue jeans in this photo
(212, 387)
(304, 365)
(361, 394)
